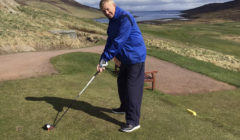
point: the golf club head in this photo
(48, 127)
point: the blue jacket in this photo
(125, 40)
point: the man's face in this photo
(109, 9)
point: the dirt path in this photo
(171, 79)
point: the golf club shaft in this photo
(76, 98)
(87, 85)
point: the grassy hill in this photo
(69, 7)
(26, 27)
(226, 11)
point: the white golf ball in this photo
(48, 126)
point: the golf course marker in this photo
(194, 113)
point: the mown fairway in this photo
(26, 105)
(208, 36)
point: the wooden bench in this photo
(149, 76)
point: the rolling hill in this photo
(25, 25)
(64, 6)
(226, 11)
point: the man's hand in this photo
(100, 69)
(101, 66)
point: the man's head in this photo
(108, 8)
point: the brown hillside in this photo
(9, 6)
(68, 2)
(69, 7)
(228, 11)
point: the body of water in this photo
(151, 15)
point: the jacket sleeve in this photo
(114, 47)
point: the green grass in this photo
(199, 35)
(31, 103)
(220, 108)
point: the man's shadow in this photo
(59, 103)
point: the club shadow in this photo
(111, 71)
(59, 103)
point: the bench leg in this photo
(153, 84)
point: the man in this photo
(125, 42)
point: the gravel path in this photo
(170, 79)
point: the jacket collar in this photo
(117, 13)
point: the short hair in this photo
(102, 2)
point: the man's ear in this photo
(114, 5)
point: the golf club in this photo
(102, 64)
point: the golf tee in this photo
(194, 113)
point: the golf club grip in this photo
(96, 73)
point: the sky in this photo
(154, 5)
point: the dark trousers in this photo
(130, 89)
